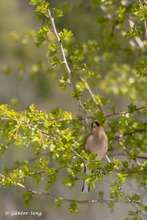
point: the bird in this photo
(96, 142)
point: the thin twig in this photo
(62, 49)
(65, 62)
(125, 112)
(42, 132)
(56, 197)
(128, 172)
(65, 200)
(145, 22)
(123, 154)
(92, 95)
(135, 131)
(134, 205)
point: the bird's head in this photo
(96, 127)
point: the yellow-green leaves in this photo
(141, 12)
(41, 7)
(73, 207)
(141, 68)
(65, 34)
(27, 197)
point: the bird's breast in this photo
(99, 145)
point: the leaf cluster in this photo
(93, 70)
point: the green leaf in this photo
(77, 93)
(52, 49)
(69, 181)
(65, 33)
(135, 198)
(121, 12)
(67, 115)
(27, 197)
(73, 207)
(134, 32)
(7, 70)
(141, 12)
(112, 166)
(112, 108)
(145, 208)
(64, 82)
(3, 149)
(122, 177)
(55, 61)
(57, 202)
(141, 68)
(111, 205)
(51, 173)
(41, 8)
(57, 12)
(135, 215)
(131, 108)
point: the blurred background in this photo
(20, 88)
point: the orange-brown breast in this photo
(97, 143)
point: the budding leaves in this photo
(65, 34)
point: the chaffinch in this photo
(96, 142)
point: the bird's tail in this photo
(86, 186)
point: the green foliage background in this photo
(54, 81)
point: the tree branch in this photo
(65, 62)
(56, 197)
(135, 131)
(92, 95)
(65, 200)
